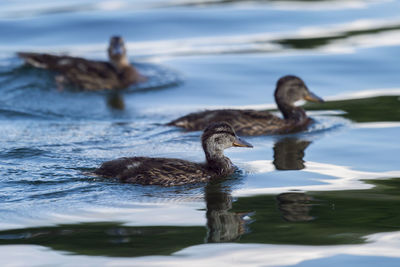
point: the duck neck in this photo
(291, 112)
(217, 162)
(119, 65)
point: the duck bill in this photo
(241, 143)
(313, 98)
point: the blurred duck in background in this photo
(118, 73)
(289, 89)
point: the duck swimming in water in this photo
(171, 172)
(289, 89)
(118, 73)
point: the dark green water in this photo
(324, 197)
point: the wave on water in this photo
(159, 77)
(25, 8)
(22, 152)
(46, 102)
(9, 113)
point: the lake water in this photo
(325, 197)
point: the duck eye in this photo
(218, 140)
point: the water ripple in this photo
(23, 152)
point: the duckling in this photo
(172, 172)
(289, 89)
(118, 73)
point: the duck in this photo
(86, 74)
(289, 89)
(173, 172)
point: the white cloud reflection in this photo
(340, 38)
(333, 177)
(187, 212)
(226, 254)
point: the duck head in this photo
(290, 89)
(117, 52)
(219, 136)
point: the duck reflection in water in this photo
(295, 206)
(223, 225)
(288, 155)
(115, 101)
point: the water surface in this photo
(327, 196)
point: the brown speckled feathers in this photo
(245, 122)
(171, 172)
(155, 171)
(289, 89)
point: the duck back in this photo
(245, 122)
(155, 171)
